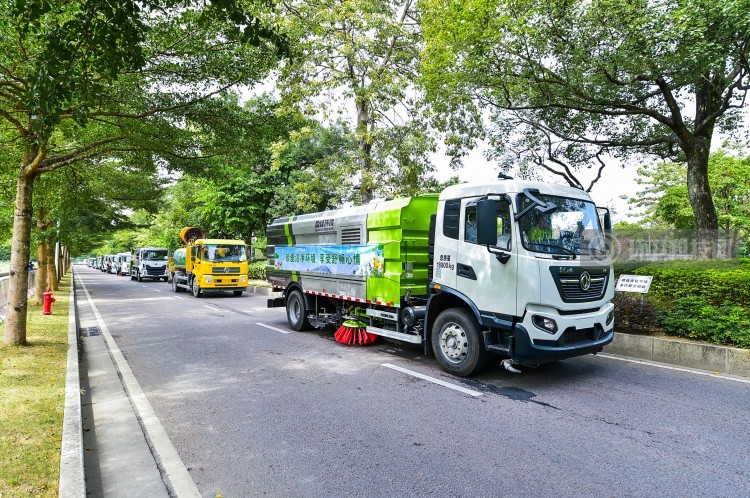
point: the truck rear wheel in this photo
(196, 288)
(457, 343)
(296, 311)
(174, 285)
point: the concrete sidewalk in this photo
(118, 460)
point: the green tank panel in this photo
(179, 258)
(401, 226)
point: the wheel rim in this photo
(295, 310)
(195, 288)
(453, 343)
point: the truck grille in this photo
(155, 270)
(225, 270)
(571, 288)
(579, 284)
(573, 335)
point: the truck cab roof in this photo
(511, 187)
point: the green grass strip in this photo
(32, 396)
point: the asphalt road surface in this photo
(255, 409)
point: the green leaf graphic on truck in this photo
(362, 260)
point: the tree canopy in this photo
(566, 84)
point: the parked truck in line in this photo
(514, 268)
(122, 263)
(149, 262)
(209, 264)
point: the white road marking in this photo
(433, 380)
(157, 290)
(211, 308)
(274, 328)
(678, 369)
(173, 466)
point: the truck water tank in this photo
(179, 258)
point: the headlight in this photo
(611, 317)
(543, 323)
(208, 279)
(243, 279)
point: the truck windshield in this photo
(155, 255)
(571, 229)
(223, 253)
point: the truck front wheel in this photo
(457, 343)
(296, 311)
(196, 288)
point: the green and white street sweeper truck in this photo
(510, 267)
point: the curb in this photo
(724, 359)
(261, 290)
(72, 477)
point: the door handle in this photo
(465, 271)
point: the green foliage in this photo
(702, 300)
(696, 318)
(359, 58)
(665, 195)
(720, 282)
(256, 270)
(565, 84)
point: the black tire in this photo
(457, 343)
(296, 311)
(174, 286)
(195, 288)
(237, 293)
(138, 276)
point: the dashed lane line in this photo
(274, 328)
(439, 382)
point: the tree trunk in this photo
(364, 145)
(41, 272)
(23, 214)
(699, 193)
(51, 267)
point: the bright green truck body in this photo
(396, 232)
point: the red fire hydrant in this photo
(48, 300)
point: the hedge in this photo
(257, 270)
(695, 299)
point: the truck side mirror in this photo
(486, 222)
(607, 221)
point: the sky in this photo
(615, 181)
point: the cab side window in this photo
(503, 224)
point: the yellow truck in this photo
(209, 264)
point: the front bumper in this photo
(525, 351)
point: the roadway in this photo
(253, 409)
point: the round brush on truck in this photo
(209, 264)
(513, 268)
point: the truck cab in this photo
(210, 264)
(149, 262)
(520, 268)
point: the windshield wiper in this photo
(542, 207)
(556, 246)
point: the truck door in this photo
(479, 274)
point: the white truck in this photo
(149, 262)
(122, 263)
(515, 268)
